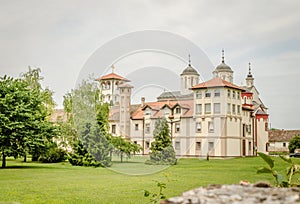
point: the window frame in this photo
(215, 105)
(197, 125)
(217, 93)
(205, 108)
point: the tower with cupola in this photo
(223, 71)
(188, 78)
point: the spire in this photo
(112, 68)
(189, 60)
(223, 61)
(249, 74)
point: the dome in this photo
(223, 67)
(189, 71)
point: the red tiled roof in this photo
(112, 76)
(158, 106)
(216, 82)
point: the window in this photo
(177, 145)
(217, 108)
(148, 111)
(217, 93)
(249, 147)
(284, 144)
(266, 126)
(147, 144)
(199, 94)
(249, 128)
(198, 146)
(177, 110)
(238, 95)
(228, 93)
(147, 128)
(207, 108)
(245, 100)
(136, 126)
(135, 142)
(233, 108)
(228, 108)
(210, 146)
(239, 109)
(177, 127)
(113, 129)
(233, 94)
(207, 94)
(211, 126)
(198, 126)
(198, 108)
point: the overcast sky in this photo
(59, 36)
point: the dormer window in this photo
(148, 111)
(177, 110)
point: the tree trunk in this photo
(3, 160)
(121, 157)
(34, 157)
(25, 158)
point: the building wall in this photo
(262, 135)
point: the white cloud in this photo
(59, 36)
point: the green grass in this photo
(62, 183)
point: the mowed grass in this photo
(62, 183)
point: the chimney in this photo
(142, 101)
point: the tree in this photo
(23, 122)
(123, 146)
(90, 121)
(162, 151)
(294, 143)
(37, 145)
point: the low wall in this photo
(238, 194)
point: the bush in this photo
(294, 143)
(54, 154)
(81, 157)
(163, 157)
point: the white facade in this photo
(215, 118)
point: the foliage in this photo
(89, 118)
(123, 146)
(81, 157)
(24, 124)
(53, 154)
(294, 143)
(162, 151)
(155, 197)
(37, 145)
(280, 181)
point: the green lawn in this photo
(62, 183)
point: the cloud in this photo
(59, 36)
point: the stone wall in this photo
(238, 194)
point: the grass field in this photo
(62, 183)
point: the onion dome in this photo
(223, 67)
(189, 70)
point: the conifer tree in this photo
(162, 151)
